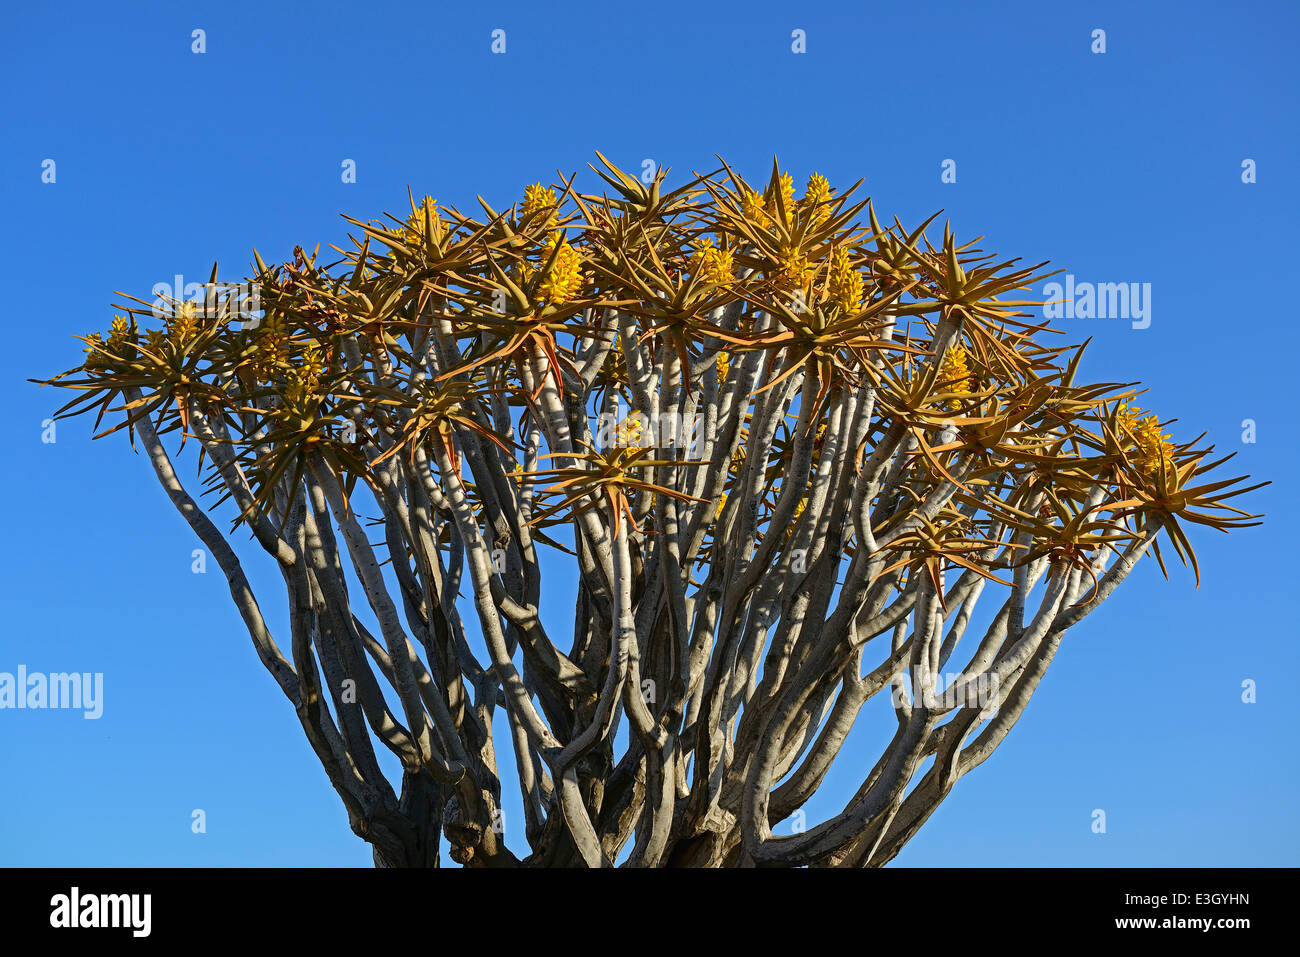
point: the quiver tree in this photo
(786, 451)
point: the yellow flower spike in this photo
(631, 431)
(119, 327)
(273, 324)
(94, 360)
(723, 364)
(793, 270)
(751, 206)
(954, 371)
(844, 286)
(415, 224)
(787, 189)
(564, 281)
(713, 265)
(184, 318)
(817, 193)
(1154, 447)
(787, 197)
(537, 198)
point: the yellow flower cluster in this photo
(538, 198)
(94, 341)
(564, 281)
(815, 196)
(793, 268)
(271, 350)
(272, 325)
(1127, 417)
(296, 389)
(844, 285)
(723, 363)
(713, 265)
(184, 319)
(751, 206)
(762, 208)
(631, 432)
(1154, 448)
(415, 225)
(954, 371)
(302, 382)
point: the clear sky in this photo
(1122, 166)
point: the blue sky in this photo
(1123, 166)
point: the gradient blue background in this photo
(1119, 167)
